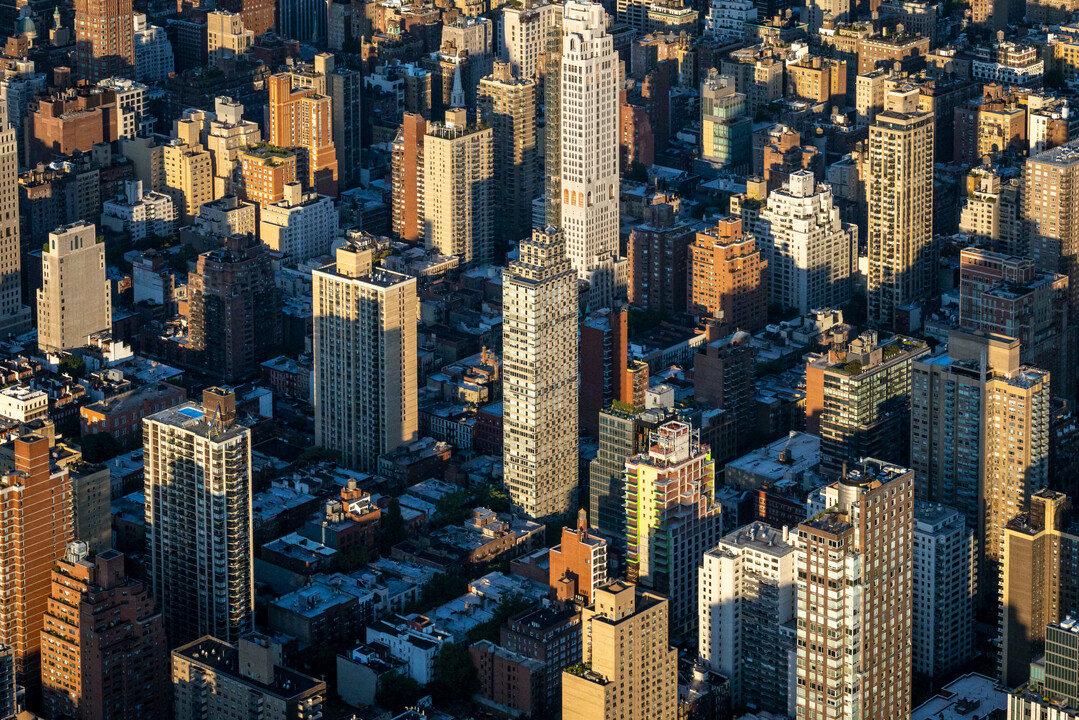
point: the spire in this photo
(457, 97)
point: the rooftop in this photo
(223, 658)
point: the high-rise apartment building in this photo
(197, 479)
(1008, 295)
(233, 308)
(188, 176)
(226, 36)
(104, 39)
(659, 260)
(508, 104)
(629, 669)
(992, 210)
(747, 596)
(726, 130)
(301, 118)
(303, 225)
(945, 584)
(672, 517)
(811, 253)
(35, 502)
(589, 149)
(343, 86)
(257, 15)
(365, 357)
(407, 178)
(104, 655)
(854, 598)
(728, 278)
(1050, 193)
(264, 172)
(14, 316)
(458, 188)
(211, 678)
(539, 387)
(899, 192)
(552, 636)
(979, 429)
(8, 689)
(226, 135)
(74, 300)
(858, 400)
(1053, 693)
(1039, 580)
(525, 31)
(622, 434)
(579, 563)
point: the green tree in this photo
(73, 365)
(351, 559)
(453, 508)
(397, 691)
(492, 629)
(393, 527)
(99, 447)
(178, 261)
(440, 589)
(455, 679)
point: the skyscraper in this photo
(233, 306)
(1039, 580)
(525, 31)
(858, 401)
(197, 479)
(899, 192)
(458, 188)
(407, 178)
(104, 39)
(672, 517)
(589, 149)
(579, 563)
(301, 118)
(14, 316)
(945, 583)
(980, 436)
(188, 177)
(103, 650)
(629, 669)
(35, 502)
(854, 598)
(1054, 695)
(728, 278)
(1050, 193)
(508, 105)
(726, 131)
(539, 346)
(365, 357)
(226, 36)
(747, 593)
(74, 300)
(622, 434)
(811, 253)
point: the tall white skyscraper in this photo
(14, 316)
(590, 149)
(539, 346)
(747, 595)
(899, 189)
(811, 252)
(365, 357)
(197, 483)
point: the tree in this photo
(397, 691)
(494, 497)
(73, 365)
(492, 629)
(440, 589)
(178, 261)
(455, 679)
(393, 527)
(351, 559)
(452, 508)
(99, 447)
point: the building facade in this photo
(74, 300)
(854, 565)
(540, 383)
(365, 320)
(197, 480)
